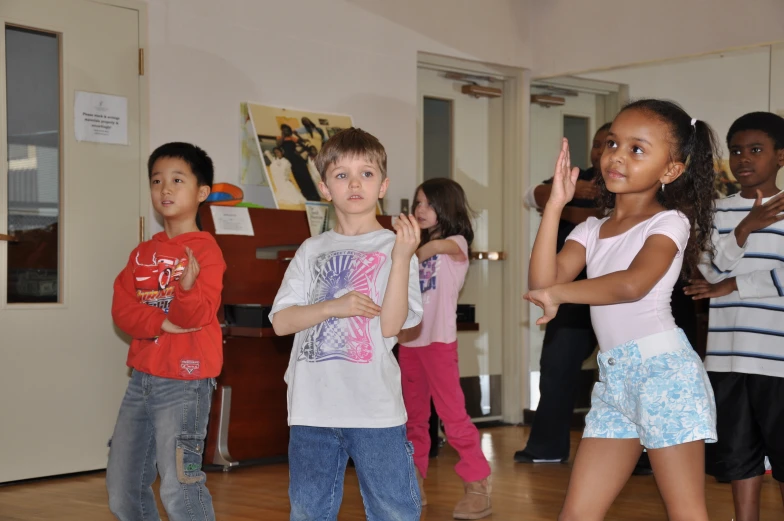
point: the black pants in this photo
(563, 353)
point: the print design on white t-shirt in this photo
(336, 273)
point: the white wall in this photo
(717, 88)
(358, 57)
(355, 57)
(571, 36)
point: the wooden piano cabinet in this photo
(257, 431)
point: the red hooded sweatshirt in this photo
(148, 291)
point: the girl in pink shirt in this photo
(428, 353)
(657, 174)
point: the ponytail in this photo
(694, 192)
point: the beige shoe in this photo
(421, 482)
(476, 501)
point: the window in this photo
(576, 131)
(33, 131)
(437, 138)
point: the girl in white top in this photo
(656, 181)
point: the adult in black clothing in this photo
(289, 143)
(569, 338)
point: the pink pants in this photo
(432, 371)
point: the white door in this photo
(461, 138)
(71, 210)
(577, 119)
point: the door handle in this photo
(488, 255)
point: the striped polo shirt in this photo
(746, 328)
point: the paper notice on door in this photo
(101, 118)
(231, 220)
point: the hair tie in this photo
(694, 122)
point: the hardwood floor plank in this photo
(528, 492)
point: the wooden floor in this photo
(525, 492)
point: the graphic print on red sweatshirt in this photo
(155, 278)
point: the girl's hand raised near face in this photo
(564, 178)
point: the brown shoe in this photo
(421, 482)
(476, 501)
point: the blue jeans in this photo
(162, 424)
(385, 467)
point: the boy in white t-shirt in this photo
(347, 294)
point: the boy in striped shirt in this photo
(745, 282)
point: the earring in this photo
(662, 187)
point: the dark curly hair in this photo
(448, 200)
(693, 193)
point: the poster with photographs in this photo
(254, 182)
(287, 142)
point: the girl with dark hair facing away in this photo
(428, 353)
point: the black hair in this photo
(767, 122)
(693, 193)
(603, 128)
(448, 200)
(195, 157)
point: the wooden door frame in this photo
(516, 87)
(144, 104)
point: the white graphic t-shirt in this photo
(342, 372)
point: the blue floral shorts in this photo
(655, 389)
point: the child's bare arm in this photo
(441, 247)
(543, 270)
(394, 309)
(629, 285)
(294, 319)
(299, 318)
(648, 267)
(291, 312)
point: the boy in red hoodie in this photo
(167, 299)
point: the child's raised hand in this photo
(354, 304)
(564, 178)
(191, 271)
(543, 299)
(408, 238)
(762, 215)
